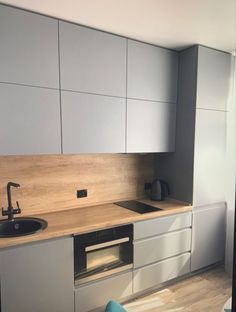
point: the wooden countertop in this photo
(77, 221)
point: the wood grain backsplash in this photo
(49, 183)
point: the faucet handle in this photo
(17, 210)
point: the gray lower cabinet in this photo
(152, 72)
(163, 271)
(209, 157)
(97, 294)
(214, 78)
(29, 48)
(162, 225)
(150, 126)
(29, 120)
(92, 123)
(157, 248)
(92, 61)
(38, 277)
(208, 238)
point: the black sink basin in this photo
(21, 226)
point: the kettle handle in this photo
(166, 189)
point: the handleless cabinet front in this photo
(29, 48)
(152, 72)
(157, 248)
(150, 126)
(92, 123)
(29, 120)
(38, 277)
(92, 61)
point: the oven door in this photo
(98, 255)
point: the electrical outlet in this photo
(82, 193)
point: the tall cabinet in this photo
(196, 171)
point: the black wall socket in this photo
(82, 193)
(147, 186)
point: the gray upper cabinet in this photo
(152, 73)
(92, 123)
(29, 48)
(92, 61)
(29, 120)
(150, 126)
(213, 78)
(38, 277)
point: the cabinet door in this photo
(209, 157)
(92, 123)
(163, 271)
(152, 73)
(157, 248)
(38, 277)
(29, 120)
(214, 78)
(208, 239)
(92, 61)
(97, 294)
(150, 126)
(162, 225)
(29, 48)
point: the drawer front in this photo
(162, 225)
(161, 272)
(161, 247)
(97, 294)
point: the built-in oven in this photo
(103, 253)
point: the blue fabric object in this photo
(114, 306)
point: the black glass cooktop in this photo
(137, 206)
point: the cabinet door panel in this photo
(209, 157)
(163, 271)
(92, 61)
(208, 239)
(92, 123)
(213, 78)
(152, 73)
(162, 225)
(38, 277)
(29, 120)
(157, 248)
(150, 126)
(98, 294)
(29, 48)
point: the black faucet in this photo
(10, 211)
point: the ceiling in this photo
(170, 23)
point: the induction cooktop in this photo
(137, 206)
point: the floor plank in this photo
(205, 292)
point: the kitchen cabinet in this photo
(92, 123)
(150, 126)
(92, 61)
(97, 294)
(157, 248)
(161, 250)
(209, 157)
(29, 120)
(160, 272)
(38, 277)
(29, 48)
(208, 240)
(213, 78)
(152, 73)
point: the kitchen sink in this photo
(21, 226)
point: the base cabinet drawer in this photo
(157, 248)
(161, 272)
(97, 294)
(162, 225)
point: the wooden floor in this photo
(205, 292)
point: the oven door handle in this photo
(107, 244)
